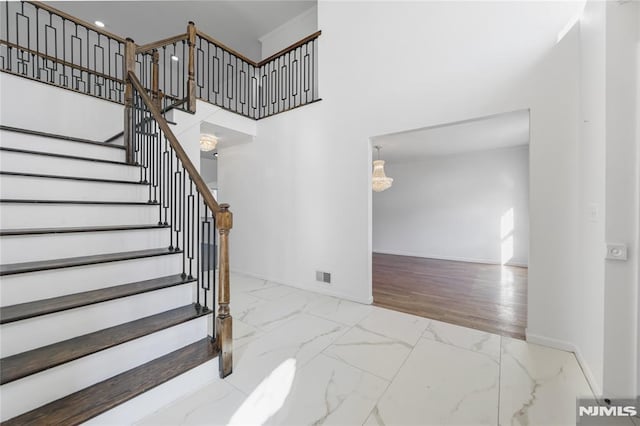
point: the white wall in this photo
(56, 110)
(621, 286)
(471, 207)
(638, 200)
(301, 190)
(285, 35)
(188, 125)
(589, 337)
(209, 171)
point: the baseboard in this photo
(367, 301)
(453, 258)
(568, 347)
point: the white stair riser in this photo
(36, 390)
(153, 400)
(119, 141)
(25, 215)
(21, 336)
(22, 288)
(27, 163)
(26, 248)
(35, 188)
(59, 146)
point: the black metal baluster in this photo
(191, 221)
(206, 229)
(214, 256)
(313, 70)
(164, 192)
(185, 230)
(177, 222)
(172, 200)
(199, 248)
(158, 145)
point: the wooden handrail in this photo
(76, 20)
(290, 48)
(264, 61)
(227, 48)
(207, 197)
(160, 43)
(60, 61)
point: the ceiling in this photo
(497, 131)
(238, 24)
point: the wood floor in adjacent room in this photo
(486, 297)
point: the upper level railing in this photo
(45, 44)
(40, 42)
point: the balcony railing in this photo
(48, 45)
(44, 44)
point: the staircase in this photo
(96, 305)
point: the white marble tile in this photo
(272, 313)
(375, 353)
(397, 325)
(440, 384)
(340, 310)
(301, 339)
(272, 291)
(244, 284)
(214, 404)
(244, 304)
(539, 385)
(465, 338)
(243, 333)
(329, 392)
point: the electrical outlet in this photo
(616, 251)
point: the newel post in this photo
(129, 64)
(224, 337)
(191, 83)
(155, 78)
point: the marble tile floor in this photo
(301, 358)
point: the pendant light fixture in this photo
(380, 181)
(208, 142)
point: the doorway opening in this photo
(450, 236)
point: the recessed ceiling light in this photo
(99, 24)
(174, 58)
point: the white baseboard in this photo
(456, 259)
(366, 301)
(568, 347)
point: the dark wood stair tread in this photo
(75, 229)
(78, 178)
(57, 304)
(41, 265)
(66, 156)
(56, 136)
(27, 363)
(114, 203)
(94, 400)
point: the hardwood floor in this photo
(486, 297)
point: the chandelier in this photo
(380, 181)
(208, 142)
